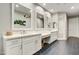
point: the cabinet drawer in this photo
(13, 50)
(13, 42)
(29, 49)
(31, 38)
(28, 41)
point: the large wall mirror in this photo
(40, 20)
(48, 19)
(21, 17)
(48, 23)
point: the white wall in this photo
(62, 26)
(73, 27)
(5, 20)
(5, 17)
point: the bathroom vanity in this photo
(49, 36)
(26, 44)
(53, 36)
(27, 20)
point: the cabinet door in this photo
(53, 37)
(13, 42)
(62, 30)
(12, 47)
(29, 49)
(13, 50)
(38, 43)
(31, 44)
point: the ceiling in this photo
(72, 9)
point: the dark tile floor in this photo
(69, 47)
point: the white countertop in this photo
(19, 35)
(44, 34)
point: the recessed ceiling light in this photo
(17, 5)
(44, 3)
(72, 7)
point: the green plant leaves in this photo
(20, 22)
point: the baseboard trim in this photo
(73, 37)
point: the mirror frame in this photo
(36, 21)
(48, 23)
(12, 15)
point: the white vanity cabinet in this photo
(25, 44)
(53, 36)
(31, 44)
(12, 46)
